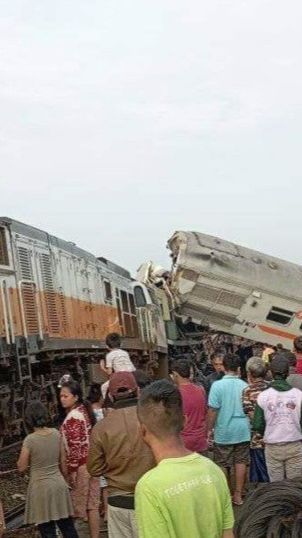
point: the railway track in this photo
(12, 493)
(12, 485)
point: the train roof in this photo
(40, 235)
(200, 252)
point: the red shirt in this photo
(195, 409)
(299, 363)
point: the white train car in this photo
(235, 289)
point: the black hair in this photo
(182, 367)
(142, 379)
(289, 355)
(113, 340)
(36, 415)
(95, 393)
(160, 409)
(280, 366)
(76, 390)
(231, 362)
(218, 353)
(298, 344)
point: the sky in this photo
(121, 122)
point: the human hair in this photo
(76, 390)
(217, 354)
(255, 366)
(182, 367)
(95, 393)
(272, 510)
(279, 366)
(231, 362)
(290, 356)
(142, 379)
(36, 415)
(113, 340)
(298, 344)
(160, 409)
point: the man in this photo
(256, 373)
(294, 379)
(194, 407)
(217, 363)
(189, 325)
(278, 416)
(118, 452)
(267, 354)
(186, 495)
(298, 352)
(231, 426)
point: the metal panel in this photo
(25, 264)
(49, 294)
(3, 248)
(29, 304)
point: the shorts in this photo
(85, 495)
(228, 455)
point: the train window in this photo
(124, 298)
(280, 315)
(3, 248)
(140, 299)
(108, 291)
(132, 305)
(119, 312)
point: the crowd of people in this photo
(170, 458)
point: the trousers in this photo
(121, 523)
(66, 526)
(284, 460)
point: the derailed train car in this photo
(236, 290)
(57, 303)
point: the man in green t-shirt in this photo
(186, 495)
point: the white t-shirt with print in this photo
(119, 361)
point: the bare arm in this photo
(105, 368)
(228, 534)
(212, 416)
(23, 461)
(63, 463)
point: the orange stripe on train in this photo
(277, 332)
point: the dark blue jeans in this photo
(66, 526)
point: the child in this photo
(117, 360)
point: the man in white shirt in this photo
(278, 415)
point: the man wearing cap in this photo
(118, 452)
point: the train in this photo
(236, 290)
(57, 304)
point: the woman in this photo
(95, 398)
(76, 429)
(48, 502)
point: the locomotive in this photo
(57, 304)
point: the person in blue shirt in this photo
(231, 426)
